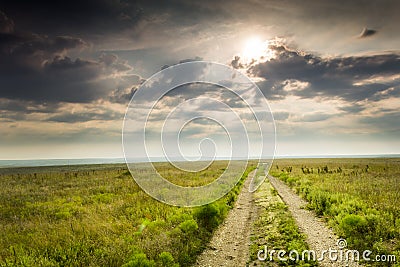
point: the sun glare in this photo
(256, 49)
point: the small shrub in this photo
(355, 228)
(165, 259)
(189, 226)
(208, 216)
(139, 260)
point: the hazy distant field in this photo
(95, 215)
(360, 198)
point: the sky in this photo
(330, 70)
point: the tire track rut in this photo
(230, 243)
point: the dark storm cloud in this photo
(185, 13)
(353, 108)
(63, 79)
(98, 20)
(36, 67)
(87, 116)
(23, 48)
(27, 107)
(73, 17)
(17, 110)
(367, 32)
(272, 90)
(27, 66)
(193, 12)
(341, 77)
(6, 24)
(103, 15)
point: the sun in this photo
(255, 49)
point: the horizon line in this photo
(219, 158)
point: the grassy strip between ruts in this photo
(99, 217)
(275, 229)
(359, 198)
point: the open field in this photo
(359, 198)
(95, 215)
(180, 177)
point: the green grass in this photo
(95, 215)
(203, 177)
(358, 197)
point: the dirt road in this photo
(229, 245)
